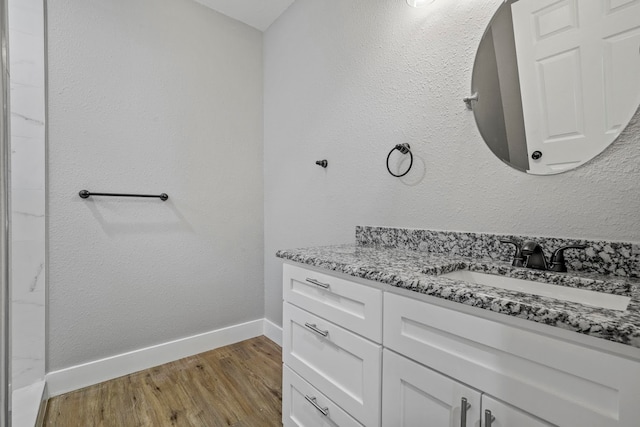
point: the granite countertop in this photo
(419, 272)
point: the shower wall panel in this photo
(26, 50)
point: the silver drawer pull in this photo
(312, 400)
(317, 283)
(464, 407)
(488, 418)
(315, 329)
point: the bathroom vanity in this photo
(377, 334)
(427, 328)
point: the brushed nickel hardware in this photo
(317, 283)
(488, 418)
(312, 400)
(464, 407)
(315, 329)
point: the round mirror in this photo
(556, 81)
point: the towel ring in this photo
(404, 149)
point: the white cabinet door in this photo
(566, 383)
(342, 365)
(498, 414)
(416, 396)
(304, 406)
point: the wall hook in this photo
(322, 163)
(469, 99)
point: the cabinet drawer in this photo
(351, 305)
(298, 398)
(342, 365)
(542, 375)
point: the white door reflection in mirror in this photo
(579, 70)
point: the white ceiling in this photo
(257, 13)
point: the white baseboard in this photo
(87, 374)
(273, 332)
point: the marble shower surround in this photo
(600, 257)
(28, 186)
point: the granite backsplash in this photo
(602, 257)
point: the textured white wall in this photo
(151, 96)
(347, 80)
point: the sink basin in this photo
(581, 296)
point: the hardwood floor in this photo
(239, 385)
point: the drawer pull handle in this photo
(315, 329)
(312, 400)
(318, 283)
(464, 407)
(488, 418)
